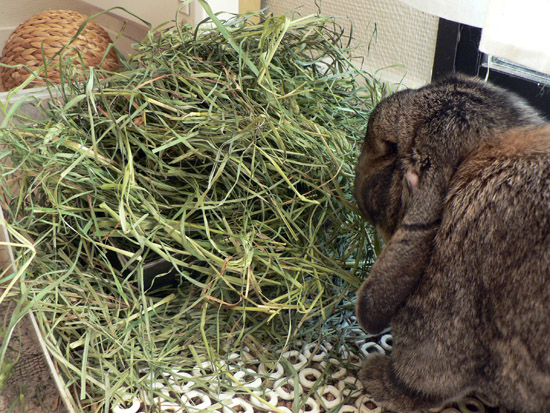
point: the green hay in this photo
(227, 150)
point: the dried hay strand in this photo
(226, 150)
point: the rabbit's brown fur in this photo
(456, 176)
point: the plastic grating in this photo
(312, 379)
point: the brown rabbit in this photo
(456, 178)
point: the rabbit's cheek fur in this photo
(374, 196)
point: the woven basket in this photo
(38, 39)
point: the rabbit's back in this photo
(482, 307)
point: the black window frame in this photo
(457, 51)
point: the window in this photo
(457, 50)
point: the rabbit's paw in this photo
(373, 376)
(381, 384)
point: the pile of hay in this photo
(227, 151)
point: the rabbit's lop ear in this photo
(401, 183)
(396, 271)
(428, 189)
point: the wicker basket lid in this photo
(39, 38)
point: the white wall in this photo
(161, 11)
(404, 43)
(402, 48)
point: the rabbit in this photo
(455, 177)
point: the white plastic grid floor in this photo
(242, 385)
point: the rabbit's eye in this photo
(390, 148)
